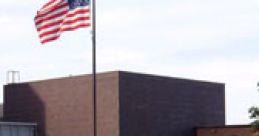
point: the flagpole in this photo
(94, 68)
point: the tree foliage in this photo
(254, 114)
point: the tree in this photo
(254, 114)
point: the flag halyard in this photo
(58, 16)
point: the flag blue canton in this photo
(77, 3)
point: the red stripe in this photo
(81, 11)
(51, 17)
(66, 22)
(54, 31)
(62, 22)
(62, 30)
(49, 25)
(49, 3)
(59, 30)
(56, 7)
(75, 27)
(50, 39)
(70, 22)
(58, 20)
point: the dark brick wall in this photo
(129, 104)
(161, 106)
(63, 107)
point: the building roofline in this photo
(119, 72)
(171, 77)
(59, 78)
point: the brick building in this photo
(128, 104)
(231, 130)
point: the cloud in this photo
(121, 56)
(14, 3)
(13, 60)
(15, 27)
(202, 23)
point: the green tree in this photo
(254, 114)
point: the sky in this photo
(195, 39)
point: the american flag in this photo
(58, 16)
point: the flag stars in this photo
(77, 3)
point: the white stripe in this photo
(61, 18)
(61, 10)
(49, 36)
(52, 14)
(51, 5)
(60, 32)
(79, 8)
(75, 24)
(75, 17)
(47, 9)
(63, 26)
(68, 26)
(51, 21)
(49, 29)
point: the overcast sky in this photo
(195, 39)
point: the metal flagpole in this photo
(94, 68)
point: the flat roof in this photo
(119, 72)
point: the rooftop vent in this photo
(12, 77)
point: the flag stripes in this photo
(56, 17)
(50, 4)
